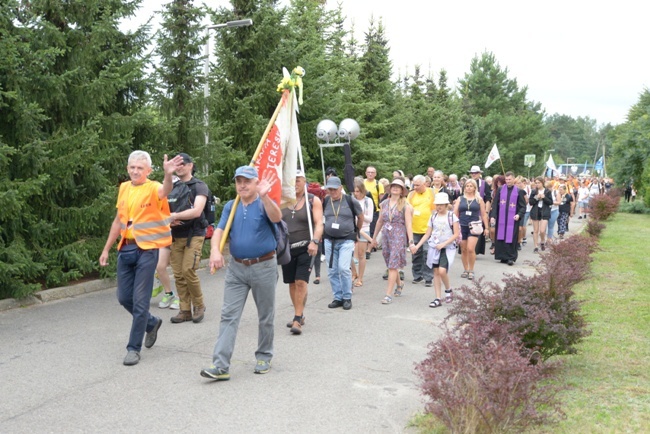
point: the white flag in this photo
(551, 165)
(494, 156)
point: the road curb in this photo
(52, 294)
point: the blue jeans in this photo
(260, 279)
(550, 230)
(340, 275)
(135, 270)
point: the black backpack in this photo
(208, 216)
(180, 199)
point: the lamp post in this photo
(206, 66)
(342, 135)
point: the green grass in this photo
(609, 379)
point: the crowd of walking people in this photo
(430, 218)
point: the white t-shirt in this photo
(441, 231)
(367, 207)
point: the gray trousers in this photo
(419, 261)
(261, 279)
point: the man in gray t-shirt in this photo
(342, 218)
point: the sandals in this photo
(435, 303)
(296, 318)
(317, 281)
(387, 300)
(398, 290)
(492, 248)
(470, 275)
(358, 283)
(448, 296)
(465, 274)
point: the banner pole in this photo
(231, 217)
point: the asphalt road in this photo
(350, 371)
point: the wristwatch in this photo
(315, 241)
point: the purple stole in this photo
(507, 212)
(481, 188)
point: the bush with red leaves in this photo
(541, 309)
(478, 381)
(603, 206)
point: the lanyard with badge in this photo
(391, 212)
(335, 224)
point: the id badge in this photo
(335, 225)
(416, 212)
(468, 213)
(389, 227)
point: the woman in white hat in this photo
(394, 224)
(442, 232)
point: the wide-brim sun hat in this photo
(441, 199)
(400, 183)
(475, 169)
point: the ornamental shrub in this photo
(478, 381)
(594, 228)
(541, 309)
(603, 206)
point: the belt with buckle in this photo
(251, 261)
(128, 241)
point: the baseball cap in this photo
(333, 182)
(246, 171)
(186, 158)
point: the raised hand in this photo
(265, 184)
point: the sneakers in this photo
(151, 337)
(215, 373)
(262, 367)
(183, 315)
(428, 283)
(167, 300)
(335, 303)
(156, 291)
(347, 304)
(175, 304)
(132, 358)
(199, 313)
(418, 280)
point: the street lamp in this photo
(206, 66)
(334, 136)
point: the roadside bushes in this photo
(490, 372)
(479, 382)
(603, 206)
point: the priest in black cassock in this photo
(508, 209)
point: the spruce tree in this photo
(71, 90)
(497, 111)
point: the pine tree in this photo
(179, 89)
(497, 111)
(71, 94)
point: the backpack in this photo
(281, 234)
(451, 225)
(207, 219)
(316, 189)
(180, 198)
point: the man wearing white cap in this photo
(304, 246)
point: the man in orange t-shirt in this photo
(142, 221)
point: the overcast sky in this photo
(580, 58)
